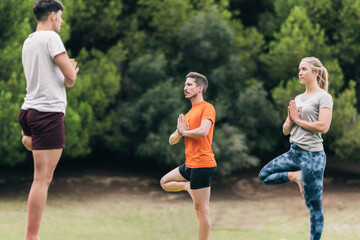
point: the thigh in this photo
(313, 166)
(45, 162)
(283, 163)
(47, 129)
(174, 175)
(201, 197)
(201, 177)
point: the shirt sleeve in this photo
(55, 45)
(209, 113)
(326, 101)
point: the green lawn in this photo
(165, 216)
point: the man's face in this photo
(57, 21)
(190, 88)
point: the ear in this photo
(52, 16)
(201, 88)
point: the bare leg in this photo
(201, 199)
(296, 177)
(175, 182)
(27, 141)
(45, 162)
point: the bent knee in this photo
(27, 142)
(162, 183)
(262, 177)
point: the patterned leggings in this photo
(312, 165)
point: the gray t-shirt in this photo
(45, 85)
(310, 107)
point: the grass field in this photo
(120, 208)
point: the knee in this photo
(162, 183)
(201, 209)
(44, 180)
(314, 205)
(262, 177)
(26, 141)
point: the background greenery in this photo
(133, 58)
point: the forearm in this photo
(69, 82)
(198, 132)
(317, 126)
(287, 126)
(175, 138)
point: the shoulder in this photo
(209, 106)
(53, 35)
(299, 96)
(324, 95)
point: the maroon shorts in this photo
(47, 129)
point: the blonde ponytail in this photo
(316, 65)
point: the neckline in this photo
(199, 103)
(301, 97)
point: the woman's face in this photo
(306, 74)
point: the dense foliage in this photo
(134, 55)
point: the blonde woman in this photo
(309, 116)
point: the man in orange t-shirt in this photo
(197, 127)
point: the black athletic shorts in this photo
(46, 129)
(198, 177)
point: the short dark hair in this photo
(199, 80)
(43, 8)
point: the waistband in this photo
(297, 148)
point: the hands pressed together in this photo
(294, 113)
(181, 124)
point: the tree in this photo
(89, 101)
(343, 137)
(257, 117)
(231, 150)
(297, 38)
(205, 43)
(11, 150)
(148, 121)
(94, 24)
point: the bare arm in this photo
(287, 126)
(175, 138)
(67, 67)
(201, 131)
(321, 125)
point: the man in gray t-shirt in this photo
(310, 107)
(48, 71)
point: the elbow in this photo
(70, 80)
(203, 133)
(69, 84)
(285, 131)
(171, 142)
(324, 130)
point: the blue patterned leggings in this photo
(312, 165)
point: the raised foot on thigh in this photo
(296, 177)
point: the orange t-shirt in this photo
(198, 153)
